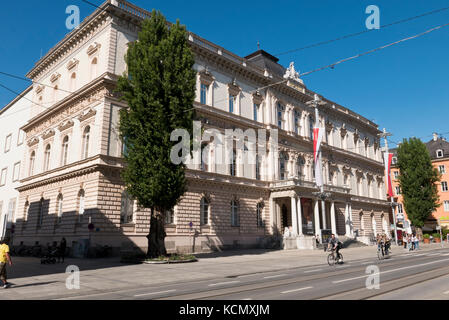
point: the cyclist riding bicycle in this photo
(387, 243)
(334, 244)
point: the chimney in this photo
(435, 136)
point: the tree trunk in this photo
(156, 237)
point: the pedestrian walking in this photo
(404, 240)
(4, 259)
(417, 239)
(62, 249)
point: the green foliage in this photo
(436, 235)
(159, 88)
(418, 181)
(426, 236)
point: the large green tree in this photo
(159, 88)
(418, 181)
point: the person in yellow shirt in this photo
(4, 258)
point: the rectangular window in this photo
(231, 103)
(16, 172)
(396, 174)
(258, 164)
(398, 190)
(20, 137)
(170, 217)
(444, 186)
(204, 89)
(446, 206)
(11, 210)
(442, 169)
(400, 210)
(3, 177)
(8, 143)
(235, 221)
(256, 111)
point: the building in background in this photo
(438, 149)
(12, 148)
(71, 185)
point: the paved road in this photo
(417, 275)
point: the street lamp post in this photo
(321, 194)
(384, 135)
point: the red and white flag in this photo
(317, 139)
(387, 159)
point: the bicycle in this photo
(331, 258)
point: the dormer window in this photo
(440, 153)
(394, 160)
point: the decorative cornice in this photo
(39, 89)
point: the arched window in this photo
(170, 216)
(235, 219)
(204, 211)
(384, 224)
(205, 157)
(362, 222)
(300, 168)
(233, 166)
(59, 206)
(81, 196)
(259, 215)
(283, 158)
(86, 139)
(93, 69)
(373, 223)
(26, 210)
(32, 160)
(55, 94)
(40, 213)
(72, 86)
(311, 126)
(127, 208)
(65, 151)
(47, 157)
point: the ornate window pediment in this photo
(72, 64)
(94, 47)
(49, 133)
(65, 125)
(39, 89)
(54, 77)
(33, 141)
(86, 114)
(343, 130)
(206, 77)
(233, 88)
(257, 97)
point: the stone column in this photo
(299, 212)
(294, 215)
(333, 219)
(317, 219)
(273, 214)
(323, 213)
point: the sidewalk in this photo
(35, 281)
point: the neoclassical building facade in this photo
(72, 163)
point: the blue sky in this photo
(403, 88)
